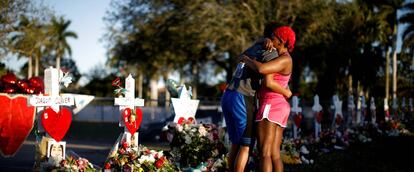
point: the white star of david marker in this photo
(184, 106)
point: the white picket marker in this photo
(51, 97)
(373, 111)
(351, 110)
(338, 110)
(363, 109)
(129, 101)
(386, 110)
(296, 110)
(317, 108)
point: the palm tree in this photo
(59, 33)
(29, 41)
(387, 12)
(408, 18)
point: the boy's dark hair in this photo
(269, 28)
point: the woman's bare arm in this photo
(276, 87)
(274, 66)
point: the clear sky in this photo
(87, 22)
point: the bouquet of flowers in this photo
(290, 152)
(137, 158)
(69, 164)
(189, 141)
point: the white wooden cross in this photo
(363, 108)
(184, 106)
(296, 110)
(51, 97)
(373, 108)
(317, 108)
(386, 110)
(351, 109)
(410, 104)
(338, 110)
(129, 101)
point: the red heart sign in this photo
(56, 124)
(132, 122)
(319, 116)
(16, 122)
(338, 119)
(297, 119)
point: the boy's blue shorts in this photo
(239, 113)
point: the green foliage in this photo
(336, 43)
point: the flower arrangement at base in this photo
(197, 147)
(289, 152)
(138, 158)
(70, 164)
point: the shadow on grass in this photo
(386, 154)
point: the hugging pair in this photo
(263, 74)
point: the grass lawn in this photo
(386, 154)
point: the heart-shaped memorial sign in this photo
(16, 122)
(297, 119)
(132, 121)
(319, 117)
(56, 124)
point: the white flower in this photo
(146, 158)
(202, 130)
(179, 128)
(304, 150)
(186, 127)
(187, 139)
(160, 154)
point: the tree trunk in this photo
(195, 80)
(58, 62)
(139, 84)
(181, 82)
(394, 62)
(167, 93)
(387, 74)
(30, 68)
(37, 66)
(394, 75)
(154, 91)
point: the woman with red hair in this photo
(274, 110)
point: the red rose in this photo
(107, 165)
(121, 151)
(63, 163)
(159, 163)
(147, 152)
(125, 145)
(116, 82)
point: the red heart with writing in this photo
(16, 122)
(319, 117)
(338, 119)
(132, 122)
(297, 119)
(56, 124)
